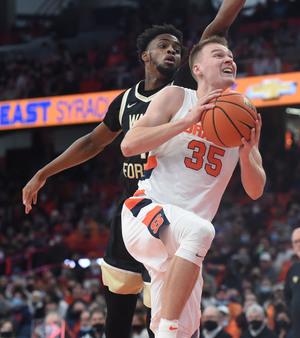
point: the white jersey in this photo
(189, 171)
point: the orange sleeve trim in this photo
(151, 162)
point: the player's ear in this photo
(197, 70)
(145, 56)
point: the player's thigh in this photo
(139, 239)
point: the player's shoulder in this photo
(172, 94)
(173, 89)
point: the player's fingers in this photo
(27, 208)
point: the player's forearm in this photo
(80, 151)
(253, 175)
(142, 139)
(224, 18)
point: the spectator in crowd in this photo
(85, 324)
(257, 323)
(283, 325)
(266, 267)
(7, 328)
(54, 323)
(241, 320)
(73, 314)
(5, 305)
(212, 324)
(36, 305)
(292, 285)
(224, 299)
(229, 324)
(98, 318)
(21, 314)
(138, 327)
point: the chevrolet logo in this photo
(271, 89)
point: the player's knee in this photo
(196, 242)
(205, 233)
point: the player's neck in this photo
(153, 82)
(204, 89)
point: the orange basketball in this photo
(230, 120)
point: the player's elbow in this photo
(255, 195)
(127, 148)
(256, 192)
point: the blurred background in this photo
(62, 47)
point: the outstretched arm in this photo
(252, 172)
(80, 151)
(224, 18)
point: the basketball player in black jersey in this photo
(160, 50)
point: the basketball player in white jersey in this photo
(167, 223)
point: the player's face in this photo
(164, 54)
(296, 241)
(217, 66)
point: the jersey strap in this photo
(123, 105)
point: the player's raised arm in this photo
(224, 18)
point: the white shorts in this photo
(156, 253)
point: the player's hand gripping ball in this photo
(231, 119)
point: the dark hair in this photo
(98, 309)
(199, 46)
(150, 34)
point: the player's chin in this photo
(228, 82)
(168, 70)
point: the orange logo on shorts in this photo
(156, 223)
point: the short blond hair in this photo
(198, 47)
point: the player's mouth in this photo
(170, 59)
(228, 70)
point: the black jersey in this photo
(130, 106)
(292, 295)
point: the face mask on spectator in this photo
(225, 323)
(282, 324)
(245, 239)
(17, 302)
(210, 325)
(265, 289)
(98, 327)
(86, 328)
(255, 324)
(137, 328)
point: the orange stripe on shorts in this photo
(149, 217)
(139, 192)
(132, 202)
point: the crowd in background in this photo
(251, 252)
(268, 41)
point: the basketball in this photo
(230, 120)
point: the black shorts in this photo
(121, 273)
